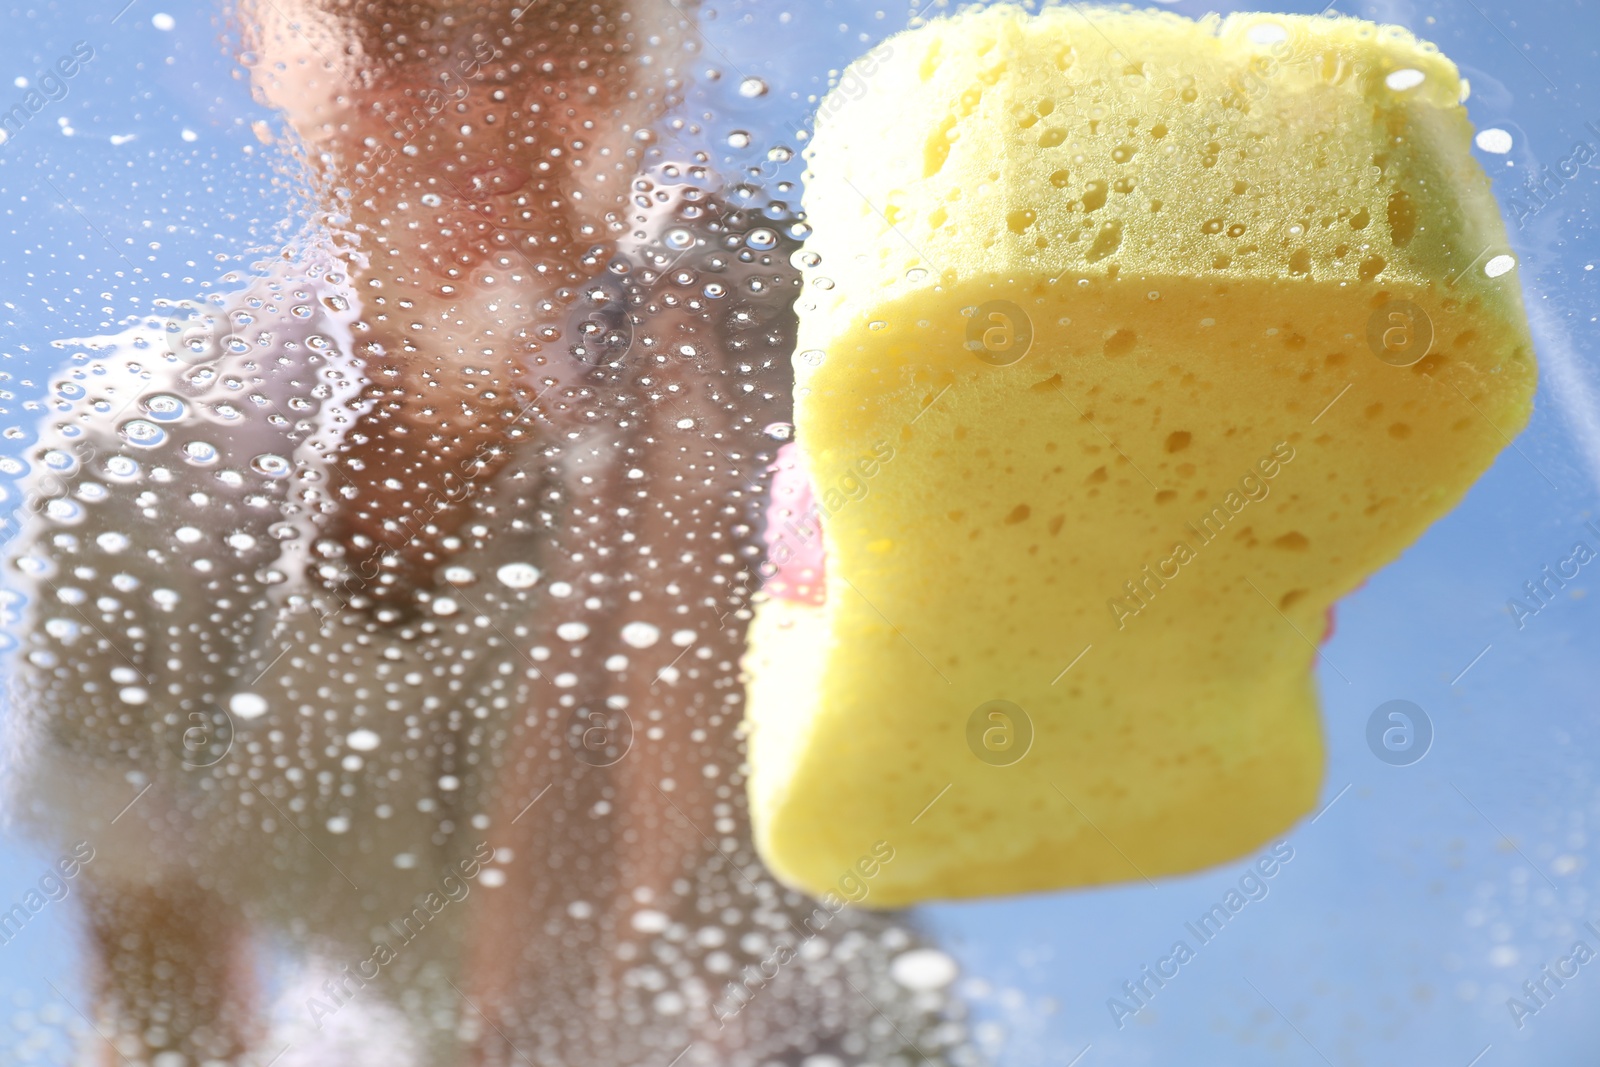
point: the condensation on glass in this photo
(380, 613)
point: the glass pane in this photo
(401, 441)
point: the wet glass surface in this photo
(391, 393)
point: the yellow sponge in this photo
(1176, 331)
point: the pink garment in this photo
(794, 563)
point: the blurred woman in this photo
(383, 628)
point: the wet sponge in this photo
(1176, 331)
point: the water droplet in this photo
(1499, 265)
(143, 432)
(739, 139)
(779, 431)
(650, 921)
(339, 824)
(1405, 78)
(270, 465)
(200, 453)
(923, 969)
(572, 631)
(165, 408)
(1494, 140)
(640, 634)
(112, 542)
(122, 467)
(133, 694)
(752, 87)
(362, 740)
(62, 630)
(762, 239)
(247, 705)
(678, 238)
(518, 575)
